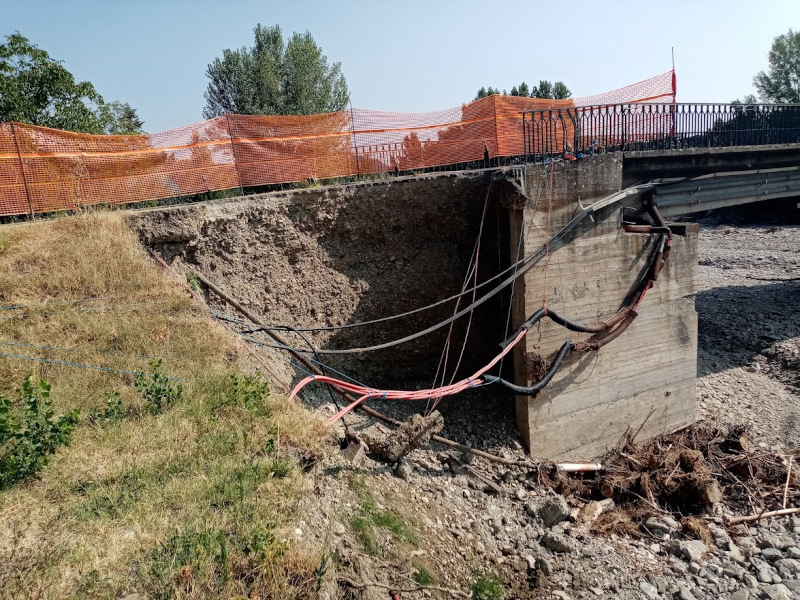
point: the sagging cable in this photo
(535, 388)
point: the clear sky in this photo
(408, 55)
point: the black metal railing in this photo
(580, 131)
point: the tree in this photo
(36, 89)
(545, 89)
(782, 83)
(273, 78)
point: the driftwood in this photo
(411, 434)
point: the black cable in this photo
(518, 263)
(529, 262)
(539, 385)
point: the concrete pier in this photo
(646, 377)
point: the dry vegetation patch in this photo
(179, 481)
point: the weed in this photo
(488, 587)
(239, 485)
(158, 392)
(369, 516)
(111, 413)
(193, 281)
(423, 576)
(245, 391)
(28, 435)
(206, 561)
(190, 558)
(320, 571)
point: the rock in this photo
(545, 565)
(338, 529)
(550, 509)
(692, 550)
(793, 552)
(403, 470)
(521, 494)
(739, 595)
(355, 452)
(531, 562)
(561, 595)
(788, 564)
(771, 554)
(649, 590)
(658, 527)
(765, 575)
(776, 592)
(558, 542)
(685, 594)
(589, 513)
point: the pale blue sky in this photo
(408, 55)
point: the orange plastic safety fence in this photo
(44, 170)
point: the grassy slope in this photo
(190, 502)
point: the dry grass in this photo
(185, 503)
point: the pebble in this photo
(648, 590)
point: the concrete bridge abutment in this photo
(643, 379)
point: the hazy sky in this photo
(408, 55)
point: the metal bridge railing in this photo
(572, 132)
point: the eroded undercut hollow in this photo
(337, 256)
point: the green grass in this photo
(160, 491)
(370, 519)
(488, 587)
(423, 576)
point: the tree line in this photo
(273, 77)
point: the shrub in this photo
(29, 433)
(112, 412)
(488, 587)
(157, 389)
(245, 391)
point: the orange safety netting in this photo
(44, 170)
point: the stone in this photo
(403, 470)
(739, 595)
(550, 509)
(793, 552)
(561, 595)
(788, 564)
(693, 550)
(769, 540)
(776, 592)
(648, 589)
(771, 554)
(590, 513)
(355, 453)
(531, 562)
(545, 565)
(558, 542)
(338, 529)
(685, 594)
(597, 591)
(765, 575)
(659, 582)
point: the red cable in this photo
(365, 392)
